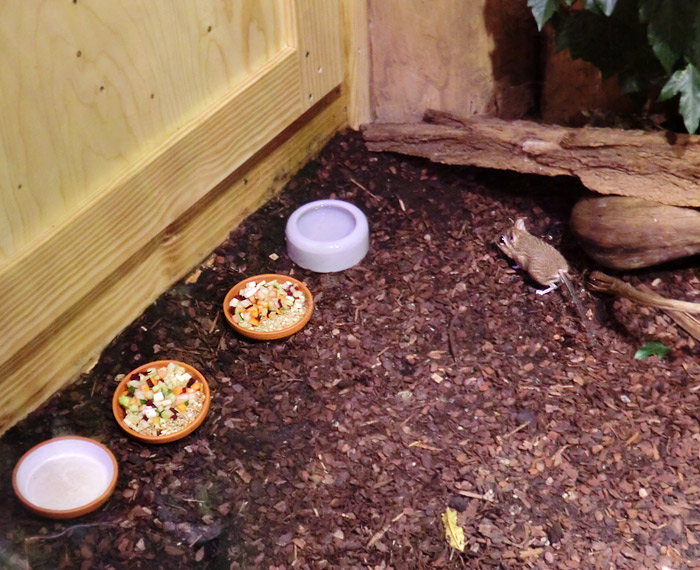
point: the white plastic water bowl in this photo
(327, 236)
(65, 477)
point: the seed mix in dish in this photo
(161, 401)
(268, 306)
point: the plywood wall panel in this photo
(89, 87)
(357, 58)
(321, 47)
(56, 355)
(144, 201)
(119, 119)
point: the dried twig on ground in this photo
(686, 321)
(680, 311)
(602, 283)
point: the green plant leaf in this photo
(633, 82)
(687, 83)
(650, 45)
(591, 6)
(607, 42)
(607, 6)
(647, 8)
(674, 25)
(662, 50)
(672, 86)
(654, 348)
(542, 10)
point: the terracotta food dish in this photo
(161, 401)
(268, 306)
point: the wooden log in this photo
(659, 166)
(630, 233)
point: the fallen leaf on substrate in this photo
(453, 532)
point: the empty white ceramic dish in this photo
(65, 477)
(327, 236)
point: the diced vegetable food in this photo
(162, 400)
(268, 306)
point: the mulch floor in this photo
(430, 376)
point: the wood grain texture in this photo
(461, 56)
(89, 88)
(99, 210)
(320, 47)
(61, 352)
(357, 58)
(629, 233)
(100, 236)
(656, 166)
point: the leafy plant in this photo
(654, 348)
(653, 46)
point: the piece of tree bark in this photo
(655, 165)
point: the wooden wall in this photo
(469, 57)
(477, 57)
(573, 90)
(136, 135)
